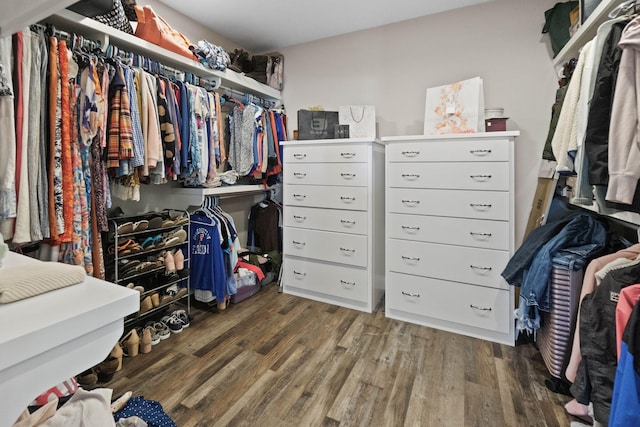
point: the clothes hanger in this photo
(626, 8)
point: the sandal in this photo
(141, 225)
(125, 228)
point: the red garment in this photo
(627, 300)
(251, 267)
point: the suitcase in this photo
(555, 336)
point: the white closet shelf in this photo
(69, 21)
(18, 14)
(224, 191)
(586, 32)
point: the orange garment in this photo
(53, 95)
(67, 167)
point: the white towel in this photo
(17, 283)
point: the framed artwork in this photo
(587, 7)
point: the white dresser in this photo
(450, 232)
(333, 240)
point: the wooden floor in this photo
(280, 360)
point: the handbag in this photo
(116, 18)
(455, 108)
(360, 118)
(152, 28)
(317, 124)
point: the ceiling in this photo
(263, 26)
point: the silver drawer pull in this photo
(410, 203)
(299, 196)
(411, 227)
(480, 177)
(347, 222)
(480, 234)
(476, 267)
(475, 307)
(299, 174)
(353, 251)
(348, 175)
(297, 273)
(299, 218)
(348, 155)
(480, 152)
(410, 294)
(480, 205)
(347, 199)
(344, 282)
(410, 153)
(409, 258)
(299, 155)
(411, 176)
(298, 243)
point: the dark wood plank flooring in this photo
(280, 360)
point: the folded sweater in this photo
(17, 283)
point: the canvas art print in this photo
(455, 108)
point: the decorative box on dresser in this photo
(450, 232)
(333, 240)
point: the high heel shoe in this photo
(178, 257)
(169, 262)
(106, 370)
(131, 343)
(117, 353)
(145, 343)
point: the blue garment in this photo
(149, 411)
(208, 268)
(583, 236)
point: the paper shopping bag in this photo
(455, 108)
(360, 118)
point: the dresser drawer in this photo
(354, 198)
(326, 153)
(457, 263)
(463, 176)
(341, 221)
(454, 231)
(454, 302)
(456, 203)
(331, 280)
(352, 174)
(485, 150)
(326, 246)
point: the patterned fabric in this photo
(136, 126)
(167, 131)
(116, 18)
(8, 140)
(149, 410)
(56, 219)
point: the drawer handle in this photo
(344, 282)
(410, 294)
(411, 227)
(299, 174)
(480, 206)
(297, 273)
(476, 267)
(482, 236)
(348, 155)
(410, 203)
(411, 176)
(347, 222)
(347, 199)
(352, 251)
(480, 152)
(300, 218)
(475, 307)
(410, 153)
(299, 155)
(299, 196)
(298, 243)
(480, 177)
(348, 175)
(409, 258)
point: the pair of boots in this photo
(133, 343)
(103, 372)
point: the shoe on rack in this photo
(169, 262)
(117, 354)
(141, 225)
(153, 333)
(181, 292)
(183, 316)
(130, 343)
(174, 324)
(178, 257)
(146, 341)
(162, 330)
(106, 369)
(155, 299)
(145, 304)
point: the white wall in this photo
(392, 66)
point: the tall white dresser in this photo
(333, 239)
(450, 232)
